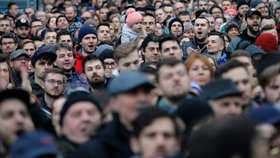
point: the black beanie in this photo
(242, 2)
(74, 98)
(175, 20)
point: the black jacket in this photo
(112, 142)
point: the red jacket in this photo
(79, 59)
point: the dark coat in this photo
(112, 142)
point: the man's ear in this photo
(134, 145)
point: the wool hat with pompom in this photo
(267, 42)
(133, 18)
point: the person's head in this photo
(239, 74)
(215, 43)
(29, 46)
(54, 83)
(259, 5)
(201, 29)
(269, 81)
(103, 13)
(134, 21)
(231, 13)
(87, 38)
(5, 25)
(115, 21)
(43, 60)
(127, 57)
(185, 17)
(216, 11)
(268, 20)
(14, 115)
(35, 25)
(224, 98)
(22, 28)
(5, 73)
(199, 69)
(56, 108)
(178, 7)
(65, 57)
(169, 47)
(94, 71)
(242, 8)
(64, 36)
(160, 15)
(13, 9)
(149, 23)
(19, 60)
(49, 36)
(52, 23)
(80, 116)
(173, 79)
(155, 134)
(103, 31)
(71, 13)
(226, 5)
(202, 4)
(176, 27)
(130, 96)
(168, 10)
(8, 43)
(232, 29)
(253, 20)
(244, 57)
(41, 15)
(62, 22)
(150, 49)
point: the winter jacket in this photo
(129, 35)
(79, 59)
(192, 43)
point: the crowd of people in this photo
(140, 79)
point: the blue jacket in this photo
(192, 43)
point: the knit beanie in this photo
(231, 10)
(106, 54)
(101, 48)
(230, 26)
(241, 2)
(133, 18)
(85, 30)
(199, 12)
(188, 26)
(267, 42)
(74, 98)
(254, 3)
(130, 10)
(175, 20)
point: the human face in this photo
(201, 29)
(152, 53)
(41, 66)
(233, 32)
(218, 23)
(66, 39)
(149, 24)
(171, 49)
(138, 27)
(86, 15)
(54, 85)
(5, 26)
(174, 81)
(35, 26)
(110, 65)
(23, 31)
(103, 13)
(211, 21)
(104, 33)
(185, 18)
(158, 139)
(272, 90)
(29, 12)
(231, 15)
(14, 120)
(130, 62)
(214, 44)
(65, 59)
(277, 13)
(42, 16)
(52, 23)
(202, 5)
(169, 11)
(56, 108)
(178, 7)
(116, 22)
(158, 31)
(13, 10)
(50, 38)
(253, 23)
(200, 73)
(8, 45)
(176, 29)
(4, 75)
(248, 62)
(94, 72)
(266, 22)
(226, 5)
(89, 43)
(217, 13)
(30, 48)
(20, 62)
(241, 78)
(160, 15)
(212, 62)
(81, 119)
(243, 9)
(62, 23)
(261, 8)
(229, 106)
(70, 13)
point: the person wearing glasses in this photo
(8, 44)
(54, 82)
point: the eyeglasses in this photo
(110, 65)
(8, 43)
(53, 82)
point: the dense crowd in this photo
(140, 79)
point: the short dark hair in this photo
(35, 20)
(166, 62)
(220, 35)
(150, 38)
(63, 33)
(102, 24)
(53, 70)
(216, 6)
(60, 16)
(224, 68)
(11, 4)
(149, 14)
(147, 116)
(91, 57)
(8, 35)
(184, 13)
(62, 45)
(165, 38)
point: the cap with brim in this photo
(19, 94)
(47, 51)
(17, 53)
(220, 88)
(22, 22)
(128, 81)
(252, 11)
